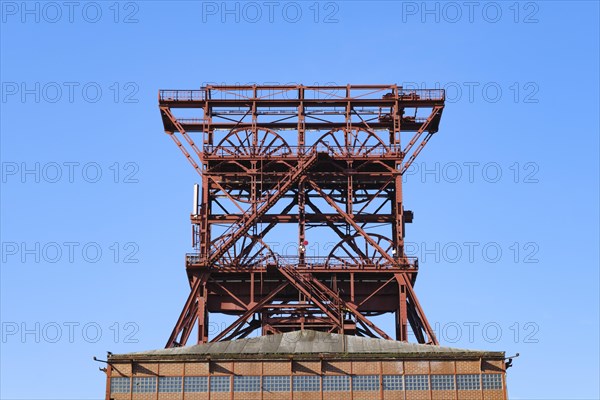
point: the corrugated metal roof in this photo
(307, 342)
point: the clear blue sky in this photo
(508, 262)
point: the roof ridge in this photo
(305, 342)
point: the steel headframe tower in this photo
(319, 157)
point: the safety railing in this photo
(191, 121)
(337, 262)
(421, 94)
(301, 93)
(320, 262)
(201, 121)
(182, 95)
(301, 151)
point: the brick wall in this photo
(315, 367)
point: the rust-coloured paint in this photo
(326, 157)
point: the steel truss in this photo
(320, 158)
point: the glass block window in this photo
(365, 382)
(492, 381)
(276, 383)
(393, 382)
(246, 383)
(467, 382)
(169, 384)
(336, 383)
(442, 382)
(144, 385)
(220, 384)
(416, 382)
(119, 385)
(307, 383)
(195, 384)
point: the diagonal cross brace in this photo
(245, 223)
(301, 284)
(434, 113)
(251, 310)
(410, 292)
(188, 314)
(311, 287)
(351, 221)
(346, 306)
(167, 112)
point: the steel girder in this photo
(256, 165)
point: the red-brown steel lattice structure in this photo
(319, 157)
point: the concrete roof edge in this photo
(312, 344)
(126, 358)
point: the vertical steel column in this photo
(254, 116)
(397, 113)
(301, 123)
(397, 206)
(401, 315)
(202, 314)
(207, 118)
(348, 113)
(205, 211)
(398, 210)
(254, 182)
(301, 222)
(349, 190)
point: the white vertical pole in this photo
(196, 199)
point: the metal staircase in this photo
(326, 299)
(238, 229)
(320, 295)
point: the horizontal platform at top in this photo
(292, 95)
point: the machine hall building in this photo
(307, 365)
